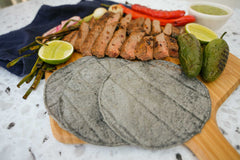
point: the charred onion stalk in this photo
(41, 67)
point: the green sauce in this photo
(209, 10)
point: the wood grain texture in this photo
(210, 144)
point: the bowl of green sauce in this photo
(212, 15)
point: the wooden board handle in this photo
(211, 144)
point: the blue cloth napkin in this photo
(46, 18)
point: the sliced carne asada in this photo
(93, 34)
(160, 48)
(144, 49)
(82, 34)
(168, 29)
(71, 37)
(91, 23)
(147, 26)
(114, 46)
(128, 48)
(172, 46)
(124, 22)
(156, 28)
(135, 25)
(175, 32)
(105, 36)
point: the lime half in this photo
(202, 33)
(56, 52)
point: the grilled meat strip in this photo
(71, 37)
(175, 32)
(160, 48)
(105, 36)
(82, 34)
(156, 28)
(114, 46)
(144, 49)
(128, 48)
(93, 34)
(124, 22)
(172, 46)
(147, 26)
(91, 23)
(168, 29)
(135, 25)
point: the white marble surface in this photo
(25, 132)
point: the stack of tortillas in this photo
(115, 102)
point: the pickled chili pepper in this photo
(175, 21)
(158, 13)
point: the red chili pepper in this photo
(158, 13)
(176, 21)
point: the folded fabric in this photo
(46, 18)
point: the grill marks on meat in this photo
(144, 49)
(105, 36)
(172, 46)
(124, 22)
(156, 28)
(147, 26)
(71, 37)
(135, 25)
(140, 38)
(128, 48)
(82, 34)
(160, 48)
(114, 46)
(175, 32)
(91, 23)
(93, 34)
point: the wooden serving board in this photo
(210, 144)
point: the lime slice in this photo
(56, 52)
(202, 33)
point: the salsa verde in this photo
(207, 9)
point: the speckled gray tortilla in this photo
(55, 85)
(78, 109)
(153, 105)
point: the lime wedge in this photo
(202, 33)
(56, 52)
